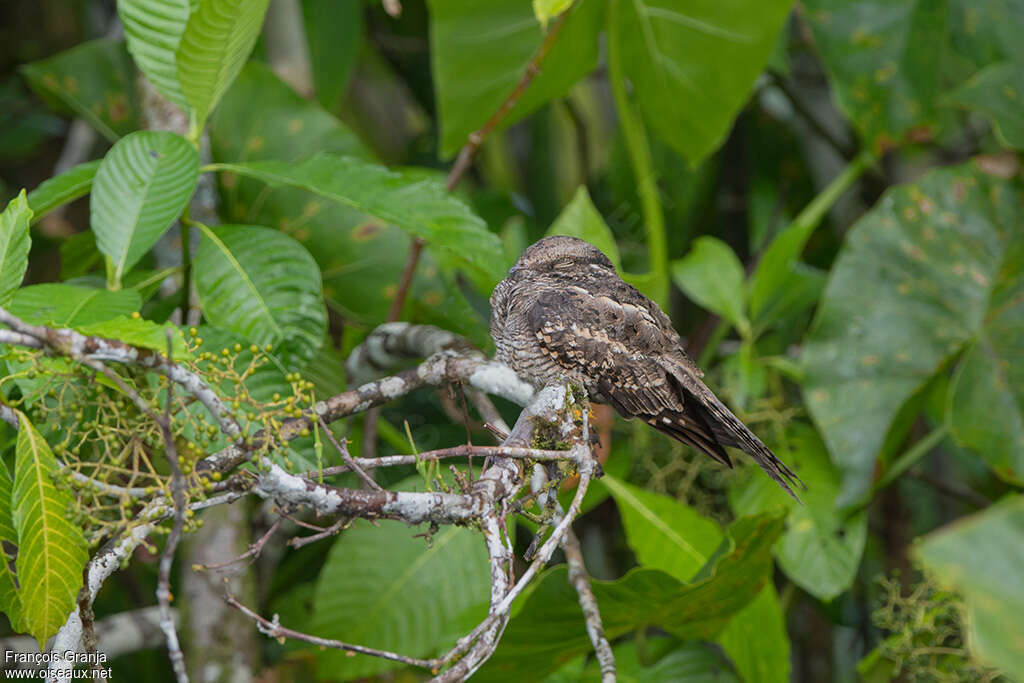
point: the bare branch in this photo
(253, 552)
(86, 348)
(178, 496)
(273, 629)
(300, 541)
(591, 615)
(347, 457)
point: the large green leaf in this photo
(153, 30)
(712, 275)
(94, 80)
(51, 549)
(61, 189)
(361, 258)
(997, 91)
(822, 546)
(548, 630)
(218, 39)
(693, 65)
(400, 593)
(10, 602)
(881, 56)
(145, 334)
(986, 401)
(334, 34)
(14, 245)
(479, 52)
(756, 640)
(663, 533)
(981, 558)
(416, 203)
(933, 270)
(285, 127)
(263, 285)
(143, 183)
(581, 219)
(63, 305)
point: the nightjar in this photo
(564, 314)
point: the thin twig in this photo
(588, 603)
(163, 590)
(254, 550)
(469, 149)
(300, 541)
(405, 281)
(469, 647)
(461, 451)
(273, 629)
(477, 137)
(347, 457)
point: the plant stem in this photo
(920, 449)
(186, 265)
(707, 354)
(640, 158)
(812, 214)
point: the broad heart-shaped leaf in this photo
(14, 245)
(141, 186)
(61, 305)
(693, 64)
(881, 57)
(932, 270)
(712, 275)
(153, 29)
(334, 34)
(479, 52)
(418, 204)
(981, 557)
(263, 285)
(821, 548)
(663, 533)
(10, 602)
(986, 401)
(548, 630)
(996, 91)
(218, 39)
(94, 80)
(581, 219)
(61, 189)
(400, 593)
(51, 549)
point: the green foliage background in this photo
(826, 196)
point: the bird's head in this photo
(561, 251)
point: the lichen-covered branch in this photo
(550, 416)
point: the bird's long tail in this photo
(708, 425)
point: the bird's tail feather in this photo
(690, 432)
(730, 431)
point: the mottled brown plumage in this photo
(563, 313)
